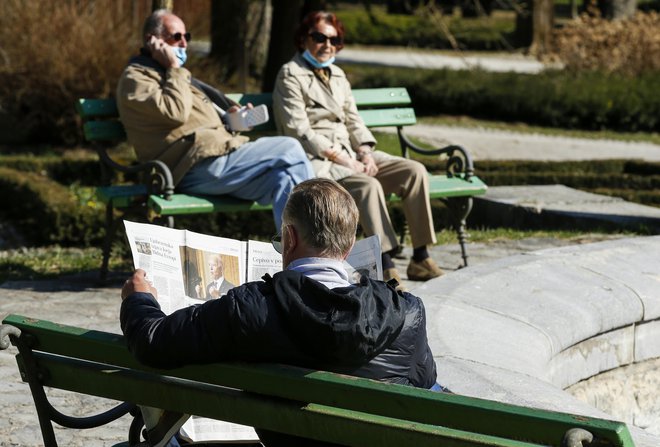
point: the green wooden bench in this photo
(315, 404)
(155, 195)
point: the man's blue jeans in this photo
(265, 170)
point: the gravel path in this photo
(489, 144)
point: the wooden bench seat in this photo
(314, 404)
(155, 195)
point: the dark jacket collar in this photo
(347, 325)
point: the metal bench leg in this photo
(460, 208)
(107, 241)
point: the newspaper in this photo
(183, 266)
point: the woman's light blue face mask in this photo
(315, 63)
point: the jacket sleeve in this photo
(194, 334)
(423, 372)
(166, 101)
(357, 130)
(291, 115)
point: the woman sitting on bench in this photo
(313, 102)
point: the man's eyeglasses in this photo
(177, 36)
(277, 243)
(322, 38)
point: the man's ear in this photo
(292, 237)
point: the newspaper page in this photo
(189, 268)
(365, 260)
(185, 267)
(262, 259)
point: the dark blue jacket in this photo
(368, 330)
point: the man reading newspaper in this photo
(366, 329)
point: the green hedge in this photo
(591, 101)
(634, 181)
(425, 31)
(47, 212)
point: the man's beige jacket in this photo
(168, 119)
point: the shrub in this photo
(631, 46)
(428, 28)
(47, 212)
(591, 100)
(59, 51)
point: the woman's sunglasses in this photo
(322, 38)
(177, 36)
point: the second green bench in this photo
(155, 195)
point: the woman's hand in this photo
(369, 164)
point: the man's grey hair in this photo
(153, 25)
(324, 214)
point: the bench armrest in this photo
(459, 160)
(159, 175)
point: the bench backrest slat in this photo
(323, 388)
(294, 417)
(102, 124)
(108, 130)
(96, 108)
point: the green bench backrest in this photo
(380, 107)
(298, 401)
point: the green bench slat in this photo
(368, 97)
(486, 420)
(294, 417)
(97, 108)
(439, 186)
(110, 130)
(388, 117)
(122, 196)
(254, 98)
(443, 186)
(372, 97)
(185, 204)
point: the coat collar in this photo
(316, 90)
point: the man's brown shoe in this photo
(392, 273)
(423, 270)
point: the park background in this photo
(603, 83)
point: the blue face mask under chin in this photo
(180, 54)
(315, 63)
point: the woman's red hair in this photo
(311, 20)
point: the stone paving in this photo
(78, 301)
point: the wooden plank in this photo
(443, 186)
(463, 413)
(254, 98)
(368, 97)
(89, 108)
(187, 204)
(299, 418)
(122, 196)
(388, 117)
(102, 131)
(377, 97)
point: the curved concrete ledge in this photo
(523, 328)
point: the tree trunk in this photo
(286, 17)
(542, 24)
(240, 32)
(617, 9)
(534, 24)
(162, 4)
